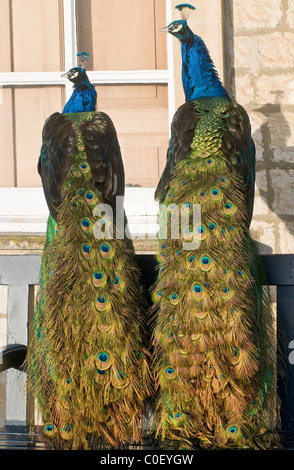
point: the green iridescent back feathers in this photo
(88, 366)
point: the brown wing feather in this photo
(240, 150)
(59, 144)
(182, 132)
(104, 155)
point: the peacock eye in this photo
(178, 28)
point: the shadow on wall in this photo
(274, 161)
(275, 132)
(275, 157)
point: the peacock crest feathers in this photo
(185, 10)
(83, 57)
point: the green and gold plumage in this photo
(213, 327)
(213, 350)
(87, 364)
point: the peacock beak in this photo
(166, 29)
(66, 75)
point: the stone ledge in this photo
(20, 245)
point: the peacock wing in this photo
(239, 148)
(182, 133)
(104, 155)
(59, 143)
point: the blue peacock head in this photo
(180, 28)
(78, 74)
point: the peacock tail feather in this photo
(88, 362)
(213, 326)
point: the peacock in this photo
(88, 361)
(212, 322)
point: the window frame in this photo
(28, 212)
(153, 77)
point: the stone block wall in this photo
(259, 70)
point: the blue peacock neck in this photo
(83, 99)
(199, 76)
